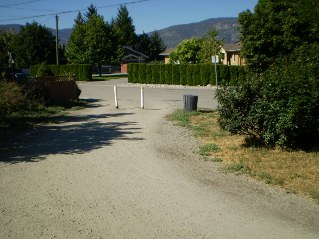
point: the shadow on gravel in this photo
(78, 135)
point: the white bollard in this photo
(115, 97)
(142, 98)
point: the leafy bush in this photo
(279, 107)
(11, 98)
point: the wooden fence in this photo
(58, 88)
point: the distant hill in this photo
(64, 34)
(226, 30)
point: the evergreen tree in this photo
(124, 31)
(76, 48)
(79, 19)
(143, 44)
(91, 11)
(157, 46)
(124, 28)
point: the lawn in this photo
(295, 171)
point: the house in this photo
(231, 54)
(132, 56)
(165, 55)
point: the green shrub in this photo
(44, 70)
(185, 74)
(278, 108)
(168, 74)
(156, 74)
(176, 74)
(82, 72)
(11, 98)
(142, 73)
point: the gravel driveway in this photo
(103, 172)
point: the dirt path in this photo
(128, 173)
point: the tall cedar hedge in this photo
(82, 72)
(192, 75)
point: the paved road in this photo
(154, 97)
(128, 173)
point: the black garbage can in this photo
(190, 102)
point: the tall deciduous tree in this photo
(98, 42)
(187, 52)
(210, 46)
(34, 44)
(273, 30)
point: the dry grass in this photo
(295, 171)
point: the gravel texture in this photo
(103, 172)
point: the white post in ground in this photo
(142, 98)
(115, 97)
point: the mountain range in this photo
(227, 30)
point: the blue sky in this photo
(148, 15)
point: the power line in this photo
(31, 9)
(71, 11)
(21, 3)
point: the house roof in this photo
(167, 52)
(129, 51)
(232, 46)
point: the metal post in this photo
(216, 71)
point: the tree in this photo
(7, 40)
(34, 44)
(79, 19)
(98, 42)
(210, 46)
(124, 31)
(274, 30)
(157, 46)
(76, 48)
(91, 11)
(187, 51)
(124, 28)
(143, 44)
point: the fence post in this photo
(142, 98)
(115, 97)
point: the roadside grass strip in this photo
(295, 171)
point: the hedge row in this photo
(191, 75)
(82, 72)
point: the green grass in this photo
(208, 149)
(295, 171)
(182, 117)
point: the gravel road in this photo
(103, 172)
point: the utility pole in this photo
(57, 39)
